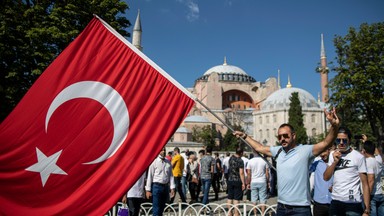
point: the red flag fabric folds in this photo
(88, 127)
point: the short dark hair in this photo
(288, 125)
(239, 151)
(209, 149)
(369, 147)
(202, 151)
(177, 149)
(345, 130)
(228, 154)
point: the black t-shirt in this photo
(218, 165)
(235, 163)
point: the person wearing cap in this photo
(349, 171)
(292, 164)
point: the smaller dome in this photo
(182, 130)
(280, 99)
(195, 118)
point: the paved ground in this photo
(223, 198)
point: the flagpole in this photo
(231, 129)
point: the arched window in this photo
(267, 119)
(314, 132)
(274, 118)
(313, 118)
(261, 133)
(267, 133)
(260, 120)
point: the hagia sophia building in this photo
(259, 107)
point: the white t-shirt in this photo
(226, 164)
(245, 160)
(346, 179)
(184, 155)
(374, 167)
(137, 190)
(258, 169)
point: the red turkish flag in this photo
(88, 128)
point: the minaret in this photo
(323, 73)
(136, 35)
(225, 60)
(289, 85)
(278, 79)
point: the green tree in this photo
(33, 33)
(358, 85)
(230, 142)
(296, 118)
(206, 135)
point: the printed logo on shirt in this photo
(343, 164)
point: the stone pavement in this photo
(223, 198)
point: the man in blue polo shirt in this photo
(292, 162)
(322, 188)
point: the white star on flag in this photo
(46, 165)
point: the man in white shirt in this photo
(225, 168)
(258, 175)
(245, 160)
(159, 181)
(349, 171)
(184, 177)
(135, 196)
(374, 171)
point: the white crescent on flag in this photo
(109, 98)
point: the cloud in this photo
(193, 12)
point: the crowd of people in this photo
(331, 176)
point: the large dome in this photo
(225, 69)
(280, 99)
(228, 73)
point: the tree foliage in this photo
(206, 135)
(33, 33)
(357, 89)
(230, 142)
(296, 118)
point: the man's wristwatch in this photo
(244, 136)
(366, 211)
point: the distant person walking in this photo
(236, 180)
(177, 170)
(159, 181)
(257, 181)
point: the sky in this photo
(188, 37)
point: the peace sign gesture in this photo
(332, 117)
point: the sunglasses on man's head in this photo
(338, 141)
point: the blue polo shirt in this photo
(293, 174)
(321, 190)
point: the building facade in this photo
(227, 95)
